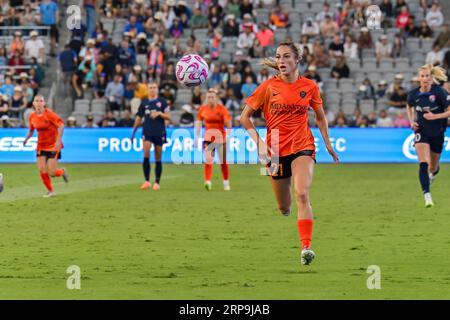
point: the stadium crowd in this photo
(121, 45)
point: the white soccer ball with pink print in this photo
(192, 70)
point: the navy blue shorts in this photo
(156, 140)
(283, 169)
(436, 143)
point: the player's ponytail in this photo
(296, 49)
(437, 73)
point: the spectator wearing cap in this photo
(50, 17)
(168, 13)
(231, 28)
(340, 69)
(90, 122)
(434, 17)
(114, 93)
(312, 74)
(398, 81)
(365, 92)
(68, 62)
(245, 40)
(5, 122)
(198, 20)
(247, 21)
(280, 18)
(266, 38)
(126, 120)
(186, 118)
(365, 40)
(18, 103)
(26, 87)
(34, 48)
(71, 122)
(176, 29)
(89, 51)
(328, 27)
(381, 89)
(17, 44)
(383, 49)
(310, 28)
(398, 98)
(181, 9)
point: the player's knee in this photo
(302, 196)
(51, 172)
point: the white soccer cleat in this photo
(226, 185)
(428, 200)
(307, 256)
(208, 185)
(432, 178)
(1, 182)
(49, 194)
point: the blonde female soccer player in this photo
(428, 109)
(50, 129)
(216, 118)
(290, 150)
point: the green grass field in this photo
(184, 243)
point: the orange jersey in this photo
(285, 107)
(47, 127)
(215, 119)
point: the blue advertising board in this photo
(113, 145)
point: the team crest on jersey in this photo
(432, 98)
(302, 94)
(158, 104)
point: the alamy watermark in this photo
(374, 280)
(74, 280)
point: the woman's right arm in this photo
(247, 123)
(411, 117)
(30, 133)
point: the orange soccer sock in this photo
(46, 180)
(208, 171)
(305, 228)
(59, 172)
(225, 171)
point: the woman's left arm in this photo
(322, 124)
(435, 116)
(59, 137)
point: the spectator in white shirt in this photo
(245, 40)
(310, 28)
(350, 48)
(436, 56)
(320, 17)
(34, 48)
(384, 121)
(383, 49)
(434, 17)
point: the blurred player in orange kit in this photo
(50, 129)
(290, 150)
(216, 117)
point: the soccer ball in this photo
(191, 70)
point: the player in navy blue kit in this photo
(428, 110)
(155, 112)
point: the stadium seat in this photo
(412, 44)
(184, 96)
(331, 84)
(386, 64)
(366, 106)
(353, 64)
(348, 106)
(98, 105)
(346, 85)
(369, 64)
(82, 106)
(402, 64)
(427, 45)
(382, 103)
